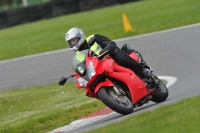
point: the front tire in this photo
(161, 93)
(120, 104)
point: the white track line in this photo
(170, 80)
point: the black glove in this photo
(147, 73)
(102, 53)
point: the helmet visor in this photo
(72, 42)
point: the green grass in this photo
(182, 117)
(43, 108)
(145, 16)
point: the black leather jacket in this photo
(102, 41)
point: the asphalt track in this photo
(173, 52)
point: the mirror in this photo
(62, 81)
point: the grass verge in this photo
(182, 117)
(43, 108)
(145, 16)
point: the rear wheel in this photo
(121, 104)
(161, 93)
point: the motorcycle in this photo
(119, 88)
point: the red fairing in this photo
(134, 56)
(136, 86)
(110, 68)
(77, 84)
(105, 83)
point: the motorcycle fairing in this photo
(136, 86)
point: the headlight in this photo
(90, 70)
(82, 82)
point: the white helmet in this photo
(72, 34)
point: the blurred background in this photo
(14, 12)
(9, 4)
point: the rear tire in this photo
(122, 105)
(161, 93)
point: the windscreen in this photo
(78, 62)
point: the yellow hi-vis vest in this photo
(95, 47)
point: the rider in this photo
(101, 45)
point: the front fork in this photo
(118, 90)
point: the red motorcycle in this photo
(117, 87)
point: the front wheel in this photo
(121, 104)
(161, 93)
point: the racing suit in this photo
(99, 44)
